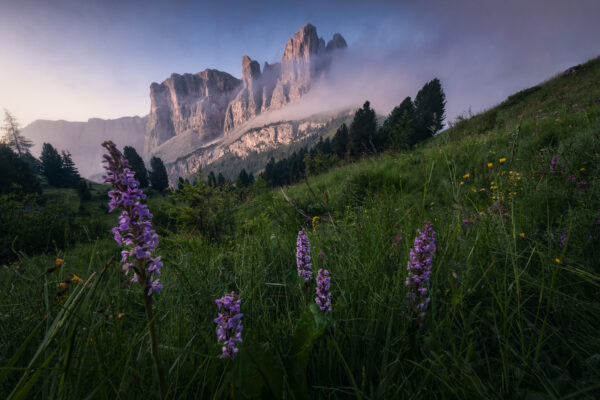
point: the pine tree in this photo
(430, 109)
(212, 179)
(137, 165)
(12, 135)
(16, 172)
(69, 174)
(242, 179)
(362, 131)
(221, 181)
(339, 144)
(51, 165)
(158, 175)
(398, 128)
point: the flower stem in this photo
(154, 345)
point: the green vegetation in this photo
(158, 175)
(513, 194)
(137, 165)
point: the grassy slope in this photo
(513, 315)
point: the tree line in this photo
(21, 171)
(408, 124)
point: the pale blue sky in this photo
(76, 59)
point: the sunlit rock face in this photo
(196, 102)
(212, 107)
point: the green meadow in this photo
(513, 194)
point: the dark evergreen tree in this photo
(362, 131)
(12, 136)
(211, 180)
(268, 174)
(221, 180)
(430, 109)
(51, 165)
(251, 178)
(158, 175)
(339, 144)
(242, 180)
(69, 174)
(398, 129)
(16, 173)
(180, 183)
(137, 165)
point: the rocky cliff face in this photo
(83, 139)
(208, 108)
(256, 140)
(195, 102)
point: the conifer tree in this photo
(430, 109)
(16, 172)
(51, 165)
(221, 180)
(242, 179)
(12, 135)
(398, 128)
(69, 174)
(137, 165)
(212, 179)
(158, 175)
(339, 144)
(362, 131)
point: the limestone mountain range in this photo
(197, 118)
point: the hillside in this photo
(514, 198)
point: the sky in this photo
(78, 59)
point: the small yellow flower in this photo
(91, 341)
(63, 286)
(75, 279)
(490, 165)
(502, 160)
(557, 260)
(522, 234)
(582, 169)
(120, 315)
(466, 176)
(58, 263)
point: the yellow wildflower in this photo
(522, 234)
(63, 286)
(58, 263)
(120, 315)
(316, 219)
(462, 182)
(466, 176)
(490, 165)
(557, 260)
(502, 160)
(75, 279)
(582, 169)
